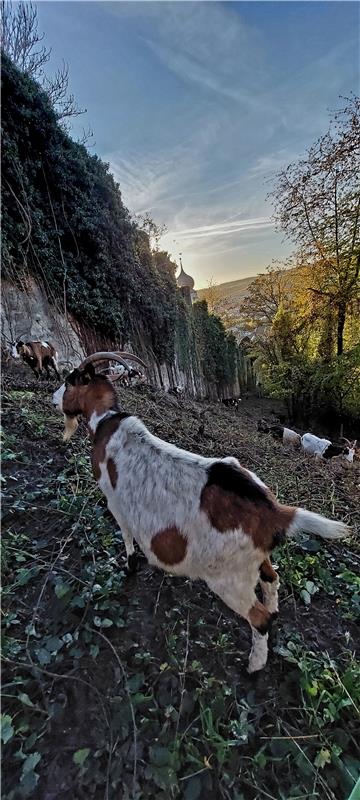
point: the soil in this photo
(164, 617)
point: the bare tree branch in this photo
(21, 41)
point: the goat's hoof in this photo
(132, 564)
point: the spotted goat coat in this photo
(38, 355)
(206, 518)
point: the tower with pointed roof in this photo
(186, 285)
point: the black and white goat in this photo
(206, 518)
(286, 435)
(231, 402)
(324, 448)
(177, 391)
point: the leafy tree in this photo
(212, 296)
(317, 204)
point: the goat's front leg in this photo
(55, 368)
(132, 560)
(131, 556)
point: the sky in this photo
(195, 105)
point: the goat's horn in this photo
(103, 356)
(131, 357)
(346, 440)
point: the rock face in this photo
(29, 316)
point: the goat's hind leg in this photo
(269, 582)
(240, 597)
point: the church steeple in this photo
(186, 284)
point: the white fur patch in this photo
(314, 445)
(259, 651)
(96, 418)
(309, 522)
(57, 398)
(45, 344)
(14, 352)
(291, 437)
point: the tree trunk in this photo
(340, 328)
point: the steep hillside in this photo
(135, 687)
(65, 226)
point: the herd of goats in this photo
(203, 518)
(311, 444)
(41, 356)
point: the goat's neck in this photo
(98, 406)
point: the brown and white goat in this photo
(206, 518)
(38, 355)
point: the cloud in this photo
(240, 117)
(223, 228)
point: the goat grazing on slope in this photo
(37, 355)
(206, 518)
(177, 391)
(231, 402)
(324, 448)
(287, 435)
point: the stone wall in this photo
(29, 316)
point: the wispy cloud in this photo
(245, 110)
(223, 228)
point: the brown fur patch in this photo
(260, 618)
(169, 546)
(103, 433)
(113, 473)
(267, 572)
(229, 511)
(98, 396)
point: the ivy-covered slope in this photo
(65, 224)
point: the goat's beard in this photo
(71, 424)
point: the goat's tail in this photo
(309, 522)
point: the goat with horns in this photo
(207, 518)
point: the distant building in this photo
(186, 285)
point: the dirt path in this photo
(119, 687)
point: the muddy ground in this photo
(121, 686)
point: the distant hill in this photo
(225, 301)
(233, 291)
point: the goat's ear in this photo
(73, 377)
(88, 373)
